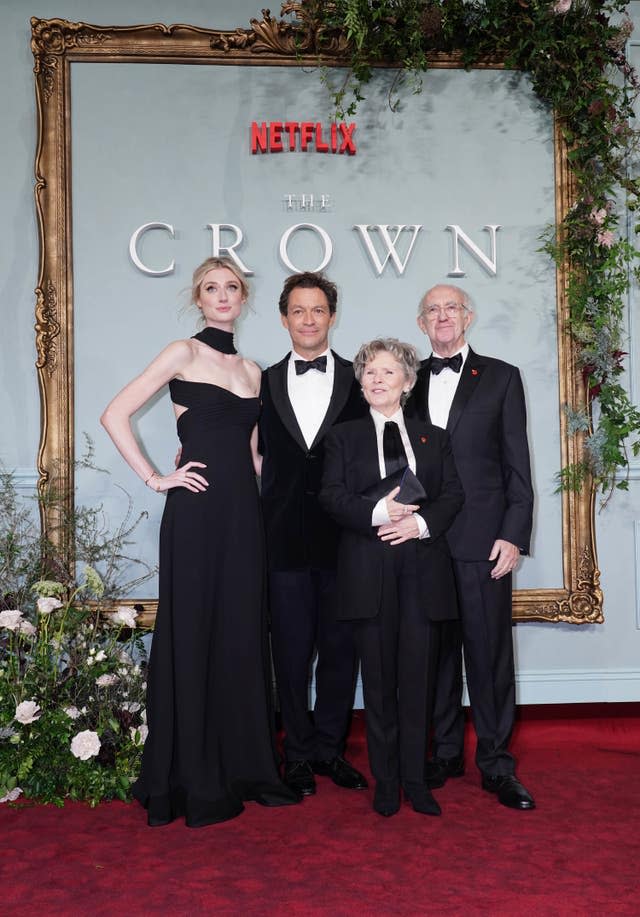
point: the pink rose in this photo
(606, 237)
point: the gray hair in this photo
(405, 354)
(465, 299)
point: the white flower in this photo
(12, 795)
(132, 706)
(27, 712)
(47, 605)
(599, 216)
(143, 716)
(72, 712)
(562, 6)
(139, 734)
(105, 681)
(85, 745)
(27, 628)
(100, 655)
(10, 619)
(90, 660)
(124, 616)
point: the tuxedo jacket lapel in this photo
(423, 396)
(471, 373)
(342, 382)
(280, 396)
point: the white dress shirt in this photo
(380, 515)
(310, 395)
(442, 389)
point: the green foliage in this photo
(574, 53)
(71, 664)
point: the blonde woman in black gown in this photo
(210, 744)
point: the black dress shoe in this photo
(421, 798)
(438, 770)
(299, 777)
(341, 772)
(386, 799)
(509, 790)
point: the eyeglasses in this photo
(450, 309)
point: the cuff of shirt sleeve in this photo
(422, 526)
(380, 514)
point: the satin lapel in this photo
(418, 439)
(424, 394)
(368, 466)
(278, 385)
(471, 373)
(342, 382)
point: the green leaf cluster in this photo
(574, 54)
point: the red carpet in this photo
(578, 853)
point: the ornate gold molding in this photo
(55, 43)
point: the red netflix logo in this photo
(306, 136)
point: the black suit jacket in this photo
(351, 466)
(488, 429)
(299, 533)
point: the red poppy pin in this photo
(423, 439)
(474, 372)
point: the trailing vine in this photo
(574, 53)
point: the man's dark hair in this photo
(308, 280)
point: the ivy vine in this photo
(574, 53)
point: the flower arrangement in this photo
(72, 668)
(574, 54)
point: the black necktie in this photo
(439, 363)
(394, 455)
(320, 363)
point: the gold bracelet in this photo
(154, 474)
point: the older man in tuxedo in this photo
(480, 402)
(310, 390)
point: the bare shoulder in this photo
(253, 371)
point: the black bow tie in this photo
(320, 363)
(439, 363)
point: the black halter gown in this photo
(210, 744)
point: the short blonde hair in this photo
(405, 354)
(211, 264)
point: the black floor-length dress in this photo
(210, 744)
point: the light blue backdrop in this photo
(171, 144)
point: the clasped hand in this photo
(183, 477)
(403, 526)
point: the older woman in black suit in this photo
(394, 570)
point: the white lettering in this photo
(459, 237)
(217, 246)
(390, 244)
(284, 242)
(133, 249)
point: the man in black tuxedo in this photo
(480, 402)
(303, 396)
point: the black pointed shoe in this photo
(298, 776)
(421, 798)
(438, 770)
(386, 799)
(509, 790)
(341, 772)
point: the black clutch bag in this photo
(411, 490)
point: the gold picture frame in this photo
(56, 43)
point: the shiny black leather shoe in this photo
(298, 776)
(438, 770)
(509, 790)
(421, 798)
(341, 772)
(386, 799)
